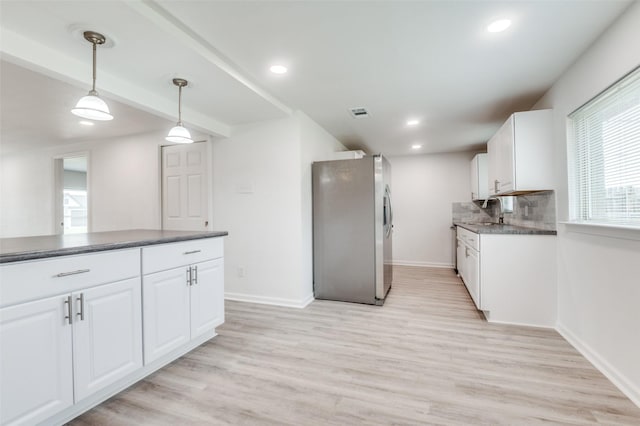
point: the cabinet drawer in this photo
(25, 281)
(172, 255)
(469, 238)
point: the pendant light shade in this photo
(91, 106)
(178, 133)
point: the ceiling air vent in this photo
(359, 112)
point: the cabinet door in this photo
(165, 312)
(460, 258)
(474, 179)
(207, 296)
(35, 361)
(107, 339)
(493, 153)
(505, 156)
(473, 275)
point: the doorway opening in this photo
(72, 189)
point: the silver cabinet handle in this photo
(189, 276)
(69, 316)
(81, 309)
(195, 274)
(66, 274)
(192, 252)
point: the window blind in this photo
(604, 156)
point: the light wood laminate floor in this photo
(425, 357)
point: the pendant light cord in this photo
(93, 89)
(180, 105)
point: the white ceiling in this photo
(430, 60)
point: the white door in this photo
(185, 201)
(107, 339)
(35, 361)
(207, 296)
(166, 312)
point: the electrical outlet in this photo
(240, 272)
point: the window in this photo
(604, 156)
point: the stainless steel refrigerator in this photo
(352, 230)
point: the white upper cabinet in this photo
(479, 177)
(521, 154)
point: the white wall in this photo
(261, 195)
(124, 186)
(598, 275)
(26, 194)
(422, 189)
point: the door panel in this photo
(35, 361)
(207, 296)
(185, 202)
(107, 335)
(166, 312)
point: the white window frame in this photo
(582, 199)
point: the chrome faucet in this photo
(500, 203)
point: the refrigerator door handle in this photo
(388, 212)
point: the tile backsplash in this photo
(535, 210)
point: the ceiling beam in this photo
(54, 63)
(192, 40)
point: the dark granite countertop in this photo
(29, 248)
(495, 228)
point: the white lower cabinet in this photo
(472, 275)
(183, 287)
(107, 335)
(166, 312)
(36, 362)
(468, 261)
(207, 297)
(71, 327)
(504, 276)
(181, 304)
(59, 350)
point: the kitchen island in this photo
(84, 316)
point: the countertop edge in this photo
(500, 230)
(69, 251)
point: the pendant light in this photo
(179, 134)
(91, 106)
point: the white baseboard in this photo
(422, 264)
(265, 300)
(619, 380)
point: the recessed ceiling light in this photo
(86, 123)
(416, 146)
(413, 122)
(278, 69)
(499, 25)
